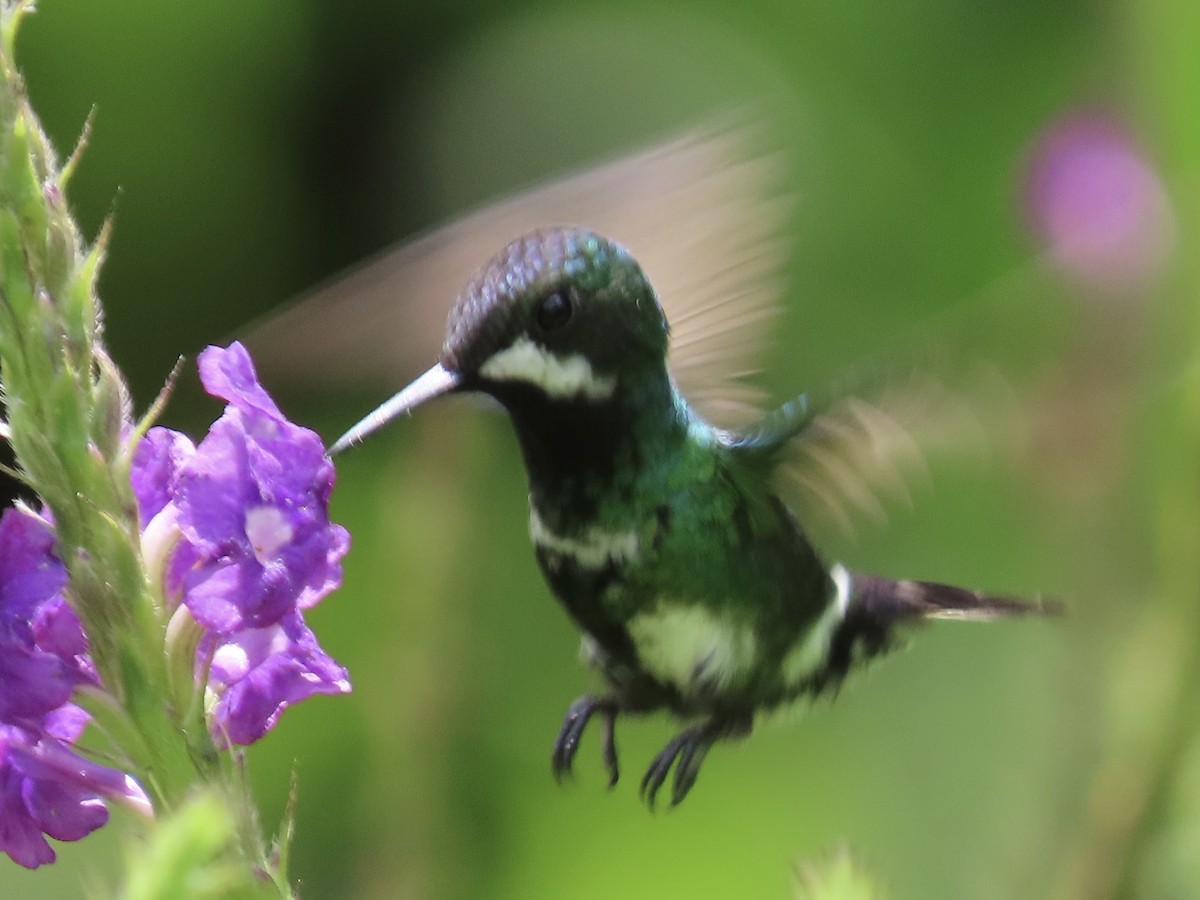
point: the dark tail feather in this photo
(876, 606)
(891, 601)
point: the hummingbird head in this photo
(563, 311)
(560, 315)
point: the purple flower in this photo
(48, 789)
(257, 673)
(43, 653)
(45, 787)
(245, 514)
(1096, 204)
(156, 463)
(237, 531)
(253, 503)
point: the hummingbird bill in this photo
(669, 537)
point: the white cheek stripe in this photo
(558, 376)
(594, 549)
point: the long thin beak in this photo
(437, 381)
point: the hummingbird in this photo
(664, 536)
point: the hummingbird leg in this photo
(567, 743)
(686, 752)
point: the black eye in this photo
(553, 311)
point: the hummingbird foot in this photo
(686, 752)
(567, 743)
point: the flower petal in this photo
(156, 464)
(229, 374)
(29, 571)
(257, 673)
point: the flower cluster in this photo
(236, 537)
(240, 528)
(46, 788)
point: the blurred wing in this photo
(703, 213)
(859, 452)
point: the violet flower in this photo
(245, 515)
(253, 504)
(38, 666)
(256, 673)
(236, 531)
(45, 787)
(42, 647)
(1096, 203)
(48, 789)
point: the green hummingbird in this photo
(663, 536)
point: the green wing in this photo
(842, 459)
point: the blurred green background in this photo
(251, 149)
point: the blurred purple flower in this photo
(246, 516)
(45, 788)
(1096, 204)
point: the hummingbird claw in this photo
(566, 745)
(686, 752)
(687, 767)
(660, 766)
(610, 747)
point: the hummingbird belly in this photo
(704, 655)
(685, 612)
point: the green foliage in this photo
(188, 857)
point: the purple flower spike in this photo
(257, 673)
(253, 505)
(235, 529)
(1097, 205)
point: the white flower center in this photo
(232, 662)
(267, 529)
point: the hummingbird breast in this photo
(692, 582)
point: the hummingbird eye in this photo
(553, 311)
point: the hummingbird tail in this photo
(877, 607)
(892, 602)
